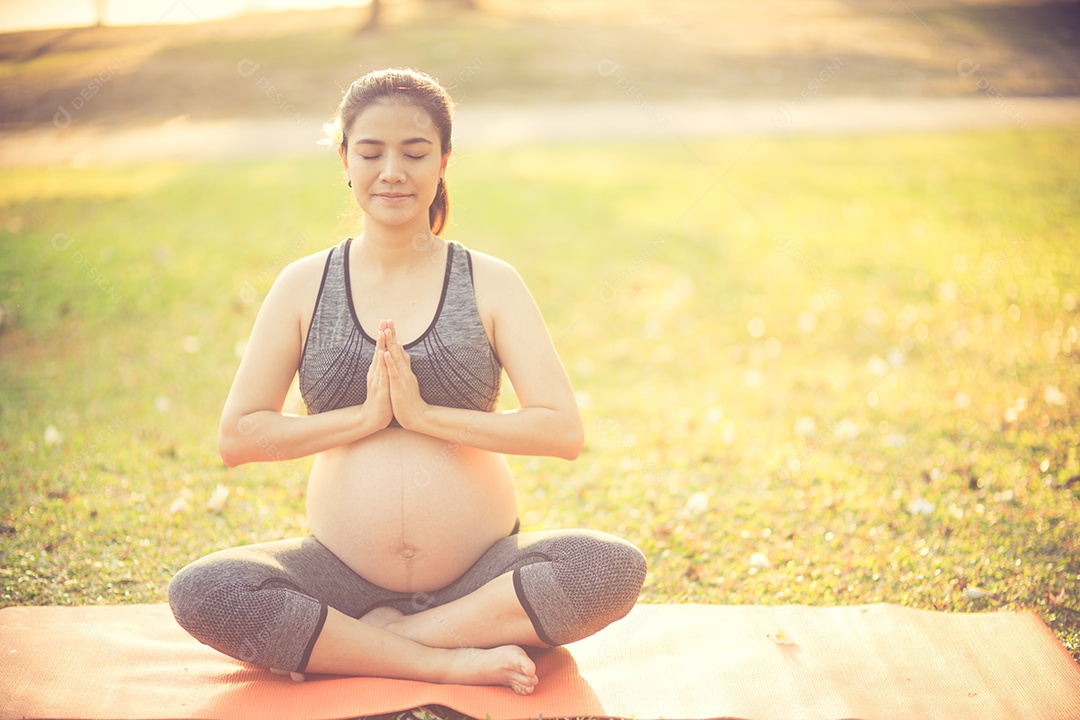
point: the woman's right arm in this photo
(253, 428)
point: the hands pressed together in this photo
(392, 388)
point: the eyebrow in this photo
(410, 141)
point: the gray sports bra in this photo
(453, 361)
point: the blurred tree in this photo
(100, 6)
(459, 4)
(371, 19)
(373, 13)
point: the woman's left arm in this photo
(548, 421)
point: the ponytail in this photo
(439, 210)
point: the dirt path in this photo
(479, 126)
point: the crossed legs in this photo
(474, 640)
(293, 605)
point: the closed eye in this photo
(376, 157)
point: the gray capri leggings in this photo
(266, 604)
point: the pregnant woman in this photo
(415, 567)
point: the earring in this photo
(350, 183)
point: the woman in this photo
(415, 568)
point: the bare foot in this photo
(382, 616)
(396, 622)
(296, 677)
(507, 665)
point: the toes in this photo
(522, 689)
(296, 677)
(523, 679)
(523, 683)
(382, 616)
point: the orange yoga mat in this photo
(661, 661)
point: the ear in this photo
(442, 165)
(344, 156)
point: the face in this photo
(394, 161)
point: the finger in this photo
(401, 355)
(381, 380)
(397, 371)
(393, 336)
(391, 333)
(375, 357)
(393, 346)
(380, 343)
(391, 366)
(379, 368)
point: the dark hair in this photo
(414, 88)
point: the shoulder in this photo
(492, 275)
(307, 267)
(502, 298)
(302, 273)
(298, 283)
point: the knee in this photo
(185, 589)
(193, 594)
(617, 569)
(209, 602)
(601, 577)
(236, 608)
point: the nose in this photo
(394, 170)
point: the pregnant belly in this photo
(409, 512)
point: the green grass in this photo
(780, 344)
